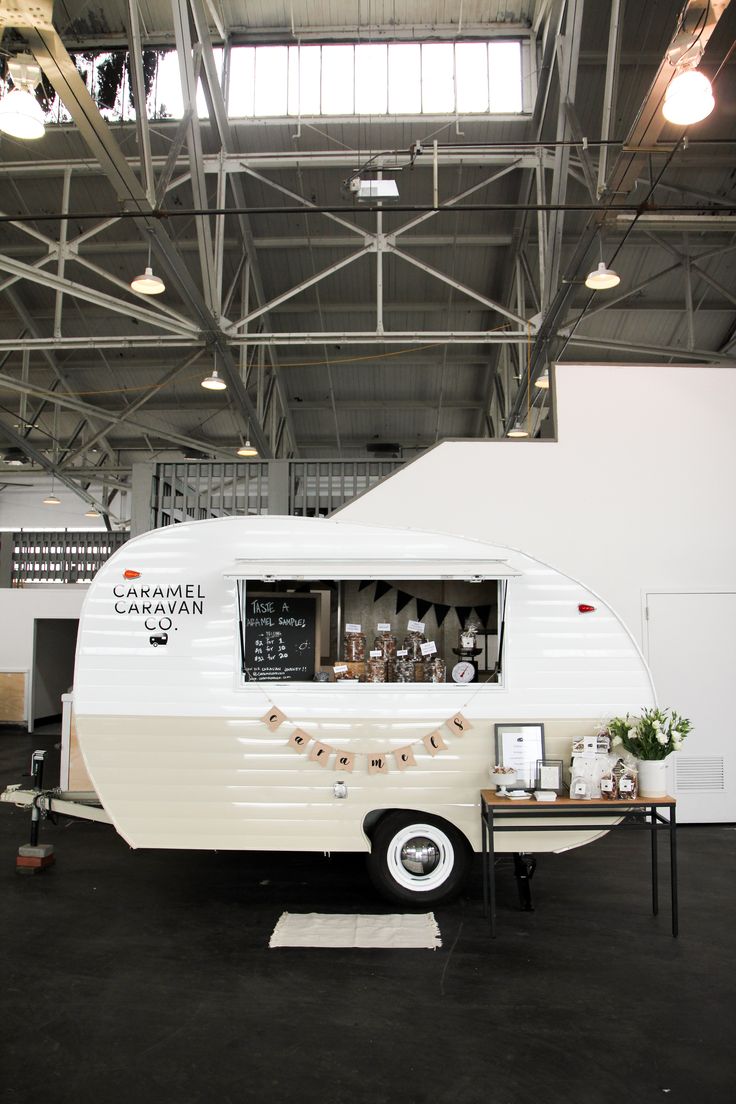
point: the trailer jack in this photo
(524, 867)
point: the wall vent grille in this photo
(699, 774)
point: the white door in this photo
(691, 645)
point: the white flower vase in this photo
(652, 777)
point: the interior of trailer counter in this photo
(371, 631)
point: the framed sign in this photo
(549, 775)
(520, 746)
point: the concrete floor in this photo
(146, 976)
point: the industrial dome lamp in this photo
(147, 283)
(247, 449)
(20, 112)
(214, 382)
(518, 429)
(602, 278)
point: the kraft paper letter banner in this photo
(273, 718)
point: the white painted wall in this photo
(635, 496)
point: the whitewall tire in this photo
(418, 859)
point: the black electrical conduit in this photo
(727, 207)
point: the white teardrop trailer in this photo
(173, 725)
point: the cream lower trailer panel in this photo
(172, 736)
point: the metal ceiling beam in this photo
(474, 156)
(49, 355)
(188, 79)
(43, 462)
(52, 56)
(70, 402)
(124, 415)
(661, 351)
(219, 112)
(90, 295)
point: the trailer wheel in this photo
(418, 859)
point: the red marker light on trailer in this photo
(131, 574)
(584, 608)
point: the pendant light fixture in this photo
(688, 98)
(20, 112)
(247, 449)
(542, 381)
(92, 513)
(147, 283)
(51, 499)
(214, 382)
(602, 277)
(518, 429)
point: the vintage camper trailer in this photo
(216, 706)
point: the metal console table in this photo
(502, 814)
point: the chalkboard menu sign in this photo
(280, 637)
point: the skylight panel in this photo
(338, 75)
(242, 96)
(471, 69)
(304, 80)
(438, 79)
(371, 79)
(404, 79)
(272, 80)
(504, 77)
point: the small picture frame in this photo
(549, 775)
(521, 746)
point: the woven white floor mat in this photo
(318, 929)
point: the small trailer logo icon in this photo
(160, 638)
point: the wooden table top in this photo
(494, 800)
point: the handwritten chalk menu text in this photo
(280, 637)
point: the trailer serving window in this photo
(443, 623)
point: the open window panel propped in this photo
(446, 626)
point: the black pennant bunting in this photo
(463, 613)
(364, 584)
(381, 589)
(484, 613)
(441, 612)
(422, 608)
(402, 599)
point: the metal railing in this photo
(317, 487)
(60, 557)
(193, 490)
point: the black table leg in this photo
(673, 868)
(491, 873)
(484, 854)
(655, 872)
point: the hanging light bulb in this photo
(51, 499)
(147, 283)
(518, 429)
(214, 382)
(247, 449)
(92, 513)
(602, 277)
(542, 381)
(688, 98)
(20, 112)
